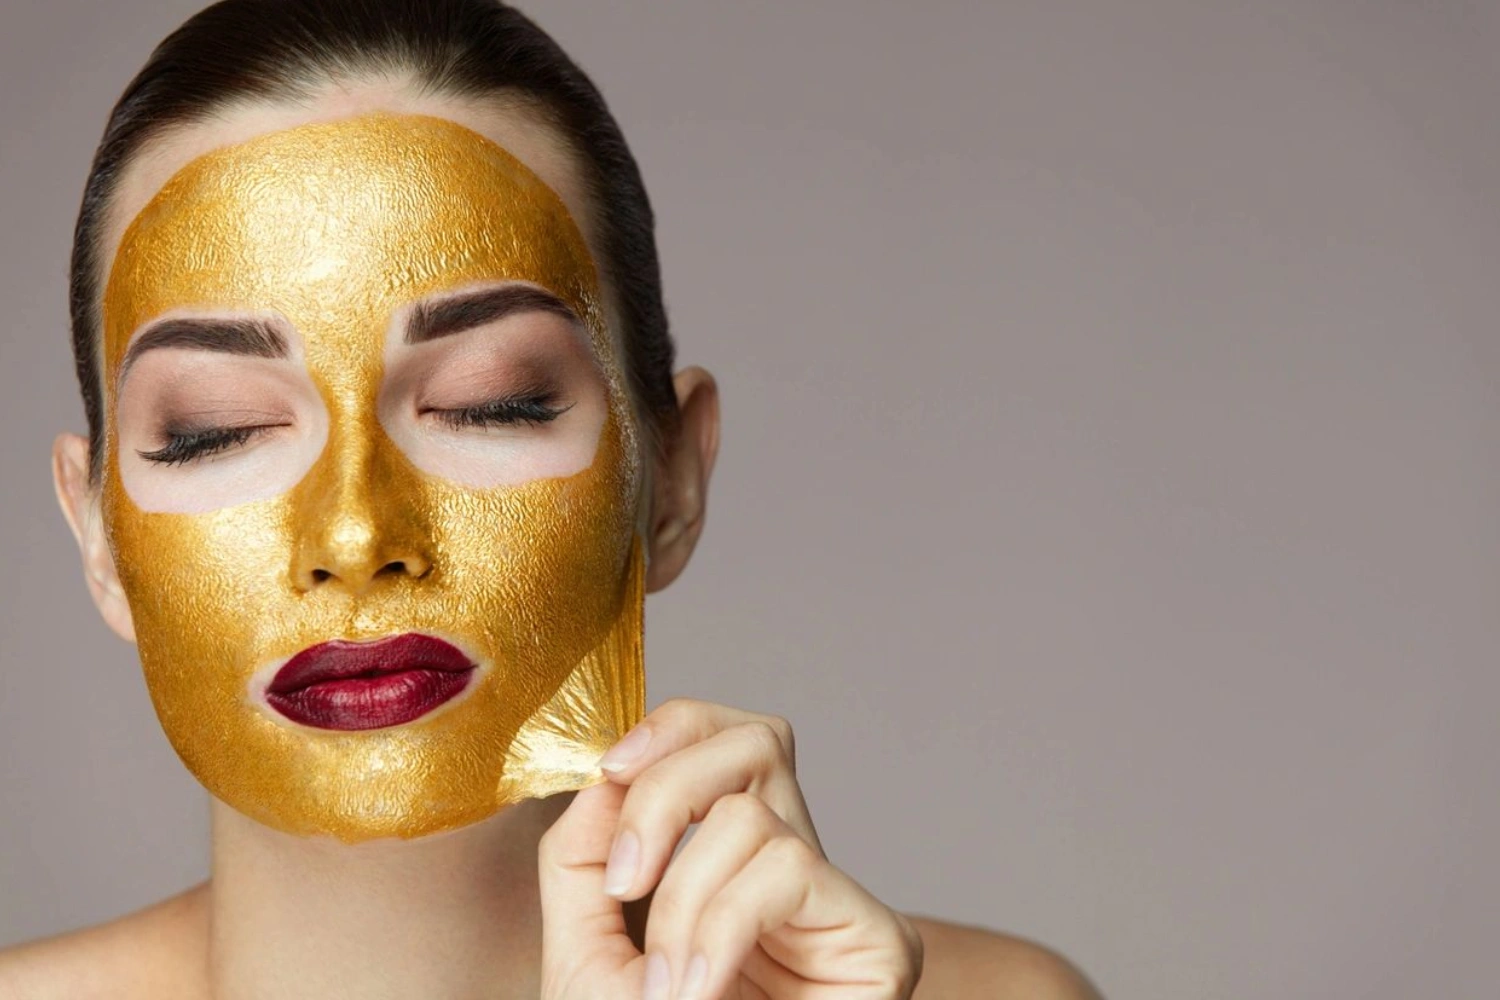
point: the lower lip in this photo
(388, 698)
(370, 702)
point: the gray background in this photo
(1110, 473)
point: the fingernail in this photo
(694, 978)
(658, 978)
(627, 751)
(624, 859)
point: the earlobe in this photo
(681, 488)
(80, 507)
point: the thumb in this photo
(581, 926)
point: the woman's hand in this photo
(750, 908)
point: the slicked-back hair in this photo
(283, 50)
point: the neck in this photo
(454, 916)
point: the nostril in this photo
(357, 577)
(415, 567)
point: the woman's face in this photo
(371, 476)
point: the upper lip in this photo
(342, 659)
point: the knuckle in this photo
(894, 976)
(650, 785)
(766, 744)
(674, 711)
(915, 949)
(793, 854)
(783, 730)
(668, 911)
(653, 800)
(900, 966)
(900, 982)
(740, 809)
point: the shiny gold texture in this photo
(336, 227)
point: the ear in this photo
(680, 489)
(80, 506)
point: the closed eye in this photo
(184, 446)
(537, 409)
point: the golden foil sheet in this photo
(336, 227)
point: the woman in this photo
(385, 448)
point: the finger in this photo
(810, 919)
(897, 967)
(734, 831)
(680, 723)
(665, 799)
(580, 924)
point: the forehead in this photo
(507, 123)
(333, 223)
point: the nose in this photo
(359, 521)
(354, 552)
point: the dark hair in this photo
(239, 50)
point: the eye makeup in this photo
(184, 446)
(526, 409)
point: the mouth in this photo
(350, 686)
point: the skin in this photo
(549, 897)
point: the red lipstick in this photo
(368, 685)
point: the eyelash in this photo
(183, 447)
(515, 410)
(188, 446)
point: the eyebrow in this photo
(431, 320)
(249, 337)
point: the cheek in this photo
(533, 572)
(218, 579)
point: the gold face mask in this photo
(334, 228)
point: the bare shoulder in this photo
(962, 962)
(149, 953)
